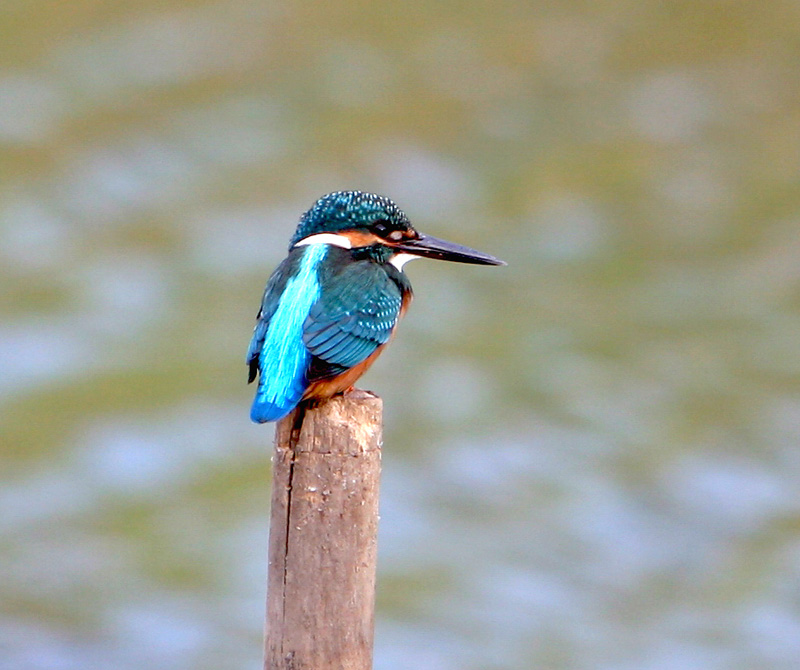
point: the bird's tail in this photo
(281, 384)
(264, 410)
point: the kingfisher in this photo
(332, 305)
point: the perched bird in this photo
(332, 305)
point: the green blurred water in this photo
(591, 456)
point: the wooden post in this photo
(323, 536)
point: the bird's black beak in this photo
(432, 247)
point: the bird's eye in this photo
(380, 227)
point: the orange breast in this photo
(327, 388)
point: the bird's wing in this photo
(356, 312)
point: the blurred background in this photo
(591, 456)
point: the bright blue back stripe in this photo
(284, 357)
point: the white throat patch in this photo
(326, 238)
(399, 260)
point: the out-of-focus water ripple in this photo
(591, 456)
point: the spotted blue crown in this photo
(344, 210)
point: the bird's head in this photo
(353, 219)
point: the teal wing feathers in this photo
(356, 312)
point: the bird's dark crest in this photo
(347, 210)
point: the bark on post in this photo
(323, 536)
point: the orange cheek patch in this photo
(360, 238)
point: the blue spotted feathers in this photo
(345, 210)
(356, 313)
